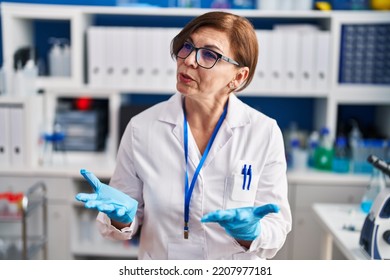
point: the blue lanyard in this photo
(189, 190)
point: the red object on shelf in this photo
(83, 103)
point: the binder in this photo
(17, 129)
(291, 50)
(307, 60)
(5, 156)
(128, 54)
(122, 69)
(156, 63)
(141, 59)
(96, 56)
(321, 74)
(261, 79)
(111, 56)
(170, 64)
(277, 62)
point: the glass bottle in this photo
(340, 162)
(290, 136)
(298, 156)
(323, 155)
(376, 185)
(312, 146)
(355, 137)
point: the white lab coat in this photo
(151, 169)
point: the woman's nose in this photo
(191, 59)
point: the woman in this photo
(203, 173)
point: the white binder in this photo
(277, 62)
(170, 64)
(141, 59)
(128, 54)
(5, 146)
(96, 57)
(321, 73)
(307, 62)
(17, 129)
(292, 57)
(156, 63)
(111, 73)
(262, 77)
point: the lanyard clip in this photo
(186, 230)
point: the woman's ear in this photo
(241, 76)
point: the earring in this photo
(231, 85)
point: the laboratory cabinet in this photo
(304, 242)
(22, 26)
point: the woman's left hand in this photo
(241, 223)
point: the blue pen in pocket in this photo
(243, 172)
(241, 186)
(250, 177)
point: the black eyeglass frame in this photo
(219, 56)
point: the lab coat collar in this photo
(173, 111)
(237, 114)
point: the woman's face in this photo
(197, 82)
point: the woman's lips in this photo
(185, 78)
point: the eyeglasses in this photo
(205, 58)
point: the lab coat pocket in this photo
(240, 191)
(185, 249)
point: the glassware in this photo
(376, 185)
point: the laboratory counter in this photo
(342, 224)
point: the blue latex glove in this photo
(241, 223)
(117, 205)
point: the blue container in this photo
(365, 148)
(350, 4)
(341, 162)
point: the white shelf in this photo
(363, 94)
(286, 93)
(101, 164)
(30, 10)
(315, 177)
(12, 100)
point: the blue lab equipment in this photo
(376, 185)
(375, 234)
(117, 205)
(241, 223)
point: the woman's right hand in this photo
(117, 205)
